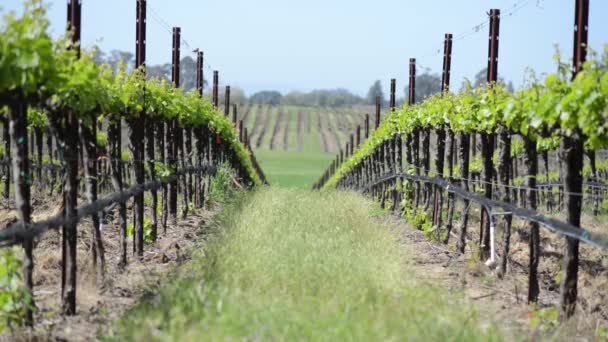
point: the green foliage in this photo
(544, 319)
(125, 156)
(27, 53)
(14, 299)
(36, 118)
(53, 79)
(420, 219)
(602, 333)
(102, 139)
(147, 231)
(221, 187)
(573, 106)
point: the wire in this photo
(510, 12)
(164, 24)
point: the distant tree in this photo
(237, 96)
(323, 98)
(187, 73)
(270, 97)
(294, 98)
(160, 71)
(117, 57)
(427, 84)
(481, 79)
(374, 91)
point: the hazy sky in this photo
(303, 45)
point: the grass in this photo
(294, 265)
(294, 168)
(291, 168)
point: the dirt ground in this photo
(503, 302)
(99, 305)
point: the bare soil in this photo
(332, 143)
(504, 301)
(263, 125)
(100, 302)
(322, 133)
(279, 130)
(300, 127)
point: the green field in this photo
(300, 166)
(291, 168)
(295, 265)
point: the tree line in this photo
(427, 84)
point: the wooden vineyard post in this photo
(572, 150)
(366, 126)
(487, 138)
(358, 136)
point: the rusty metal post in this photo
(447, 63)
(199, 73)
(227, 101)
(140, 34)
(241, 131)
(412, 88)
(366, 126)
(216, 81)
(234, 114)
(177, 34)
(581, 33)
(75, 23)
(492, 75)
(378, 109)
(392, 100)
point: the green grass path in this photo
(296, 265)
(291, 168)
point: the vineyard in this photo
(132, 209)
(62, 117)
(295, 143)
(558, 122)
